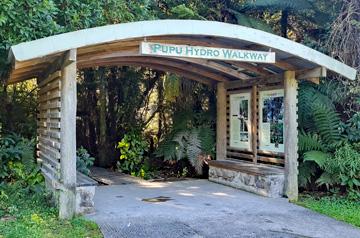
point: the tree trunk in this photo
(103, 161)
(160, 105)
(284, 22)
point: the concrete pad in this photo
(199, 208)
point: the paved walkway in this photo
(199, 208)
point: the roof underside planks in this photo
(119, 45)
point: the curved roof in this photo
(118, 45)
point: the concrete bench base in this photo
(260, 179)
(85, 192)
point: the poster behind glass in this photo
(271, 123)
(240, 136)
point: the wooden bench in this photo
(85, 192)
(265, 180)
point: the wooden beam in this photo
(182, 72)
(275, 78)
(204, 63)
(67, 199)
(221, 122)
(250, 67)
(291, 136)
(312, 74)
(219, 67)
(282, 64)
(146, 60)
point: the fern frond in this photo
(327, 122)
(252, 22)
(167, 149)
(207, 138)
(333, 89)
(318, 157)
(180, 138)
(309, 98)
(193, 148)
(327, 179)
(309, 141)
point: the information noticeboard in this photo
(271, 120)
(240, 121)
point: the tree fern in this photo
(317, 114)
(191, 144)
(252, 22)
(308, 98)
(327, 122)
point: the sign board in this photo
(271, 120)
(240, 121)
(188, 51)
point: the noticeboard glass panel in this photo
(271, 120)
(240, 121)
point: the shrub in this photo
(132, 148)
(83, 161)
(17, 161)
(344, 168)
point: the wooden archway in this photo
(54, 61)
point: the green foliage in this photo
(188, 140)
(327, 123)
(344, 168)
(17, 162)
(171, 87)
(319, 157)
(183, 12)
(132, 148)
(320, 133)
(27, 214)
(317, 114)
(298, 5)
(83, 161)
(352, 128)
(340, 208)
(307, 171)
(252, 22)
(309, 141)
(18, 108)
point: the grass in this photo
(28, 214)
(340, 208)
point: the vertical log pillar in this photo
(67, 197)
(291, 136)
(254, 122)
(221, 122)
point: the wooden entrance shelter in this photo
(54, 61)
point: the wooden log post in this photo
(291, 136)
(67, 197)
(254, 122)
(221, 122)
